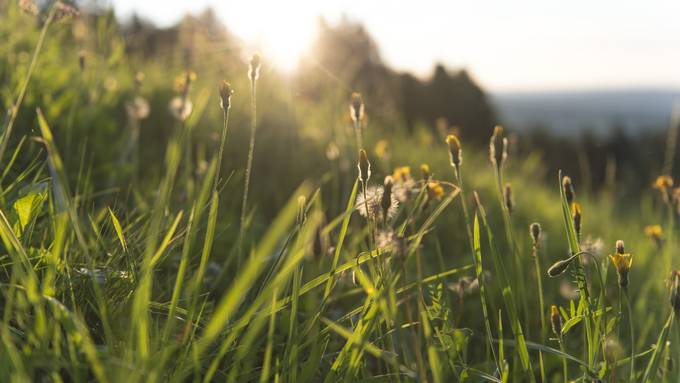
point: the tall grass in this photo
(137, 283)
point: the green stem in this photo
(223, 140)
(4, 140)
(249, 165)
(541, 306)
(632, 336)
(565, 371)
(480, 275)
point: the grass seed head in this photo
(576, 216)
(225, 95)
(535, 232)
(455, 151)
(254, 67)
(622, 262)
(81, 60)
(498, 147)
(387, 199)
(356, 107)
(675, 291)
(507, 198)
(364, 167)
(556, 321)
(568, 188)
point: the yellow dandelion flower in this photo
(622, 262)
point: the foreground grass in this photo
(434, 280)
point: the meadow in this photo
(172, 223)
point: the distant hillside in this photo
(568, 113)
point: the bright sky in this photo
(506, 45)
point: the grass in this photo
(142, 270)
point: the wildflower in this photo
(655, 233)
(332, 151)
(225, 95)
(364, 167)
(403, 184)
(435, 190)
(664, 184)
(63, 11)
(29, 7)
(622, 262)
(507, 197)
(556, 320)
(464, 286)
(370, 204)
(425, 171)
(385, 238)
(139, 79)
(568, 291)
(401, 174)
(180, 108)
(576, 215)
(183, 82)
(455, 151)
(568, 188)
(138, 108)
(593, 247)
(675, 291)
(356, 107)
(254, 67)
(381, 149)
(498, 147)
(559, 267)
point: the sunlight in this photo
(280, 35)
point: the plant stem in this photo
(223, 140)
(565, 371)
(632, 336)
(480, 274)
(22, 92)
(251, 154)
(541, 305)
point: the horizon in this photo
(532, 47)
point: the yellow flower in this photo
(622, 262)
(402, 173)
(663, 182)
(435, 190)
(425, 171)
(183, 81)
(654, 231)
(381, 149)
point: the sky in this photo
(507, 46)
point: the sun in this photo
(279, 34)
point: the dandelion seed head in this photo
(180, 108)
(138, 108)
